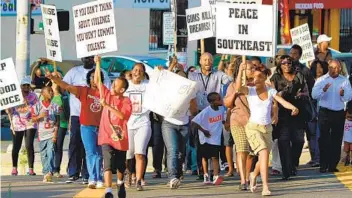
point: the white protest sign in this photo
(199, 23)
(10, 90)
(51, 32)
(95, 30)
(168, 28)
(301, 36)
(168, 94)
(244, 29)
(156, 4)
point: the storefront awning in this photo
(315, 4)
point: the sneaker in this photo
(121, 191)
(58, 175)
(134, 180)
(139, 186)
(128, 180)
(14, 172)
(84, 181)
(206, 179)
(218, 180)
(31, 172)
(275, 172)
(100, 184)
(72, 179)
(175, 183)
(143, 183)
(109, 195)
(92, 185)
(47, 178)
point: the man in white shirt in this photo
(332, 91)
(77, 76)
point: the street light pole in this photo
(22, 37)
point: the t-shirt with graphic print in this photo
(140, 114)
(46, 125)
(112, 130)
(91, 108)
(212, 121)
(21, 115)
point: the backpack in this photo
(65, 97)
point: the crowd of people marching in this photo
(243, 104)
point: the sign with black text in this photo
(168, 28)
(199, 23)
(156, 4)
(301, 36)
(10, 90)
(95, 30)
(51, 32)
(244, 29)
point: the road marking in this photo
(345, 175)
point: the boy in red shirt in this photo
(113, 135)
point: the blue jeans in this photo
(47, 155)
(93, 152)
(76, 162)
(313, 143)
(175, 138)
(191, 157)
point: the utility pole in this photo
(22, 38)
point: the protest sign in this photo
(301, 36)
(168, 28)
(156, 4)
(51, 32)
(10, 90)
(244, 29)
(95, 30)
(199, 23)
(168, 94)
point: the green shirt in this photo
(57, 100)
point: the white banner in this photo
(169, 94)
(95, 30)
(244, 29)
(199, 23)
(51, 32)
(10, 90)
(301, 36)
(156, 4)
(168, 28)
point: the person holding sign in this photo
(258, 129)
(47, 115)
(139, 126)
(89, 118)
(113, 135)
(23, 126)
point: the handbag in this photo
(308, 111)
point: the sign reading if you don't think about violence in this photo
(51, 32)
(301, 36)
(244, 29)
(199, 23)
(10, 90)
(95, 30)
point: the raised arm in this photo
(239, 87)
(57, 80)
(173, 64)
(97, 75)
(221, 63)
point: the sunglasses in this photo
(26, 85)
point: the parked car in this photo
(114, 65)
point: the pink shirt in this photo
(21, 115)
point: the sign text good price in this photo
(301, 36)
(156, 4)
(10, 90)
(244, 29)
(199, 23)
(51, 32)
(95, 30)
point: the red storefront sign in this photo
(315, 4)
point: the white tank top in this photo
(260, 109)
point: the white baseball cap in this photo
(322, 38)
(26, 80)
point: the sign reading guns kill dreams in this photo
(10, 90)
(95, 30)
(199, 23)
(244, 29)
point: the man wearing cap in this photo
(323, 52)
(77, 77)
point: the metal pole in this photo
(22, 37)
(275, 11)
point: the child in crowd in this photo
(210, 124)
(47, 115)
(113, 135)
(347, 138)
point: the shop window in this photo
(156, 30)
